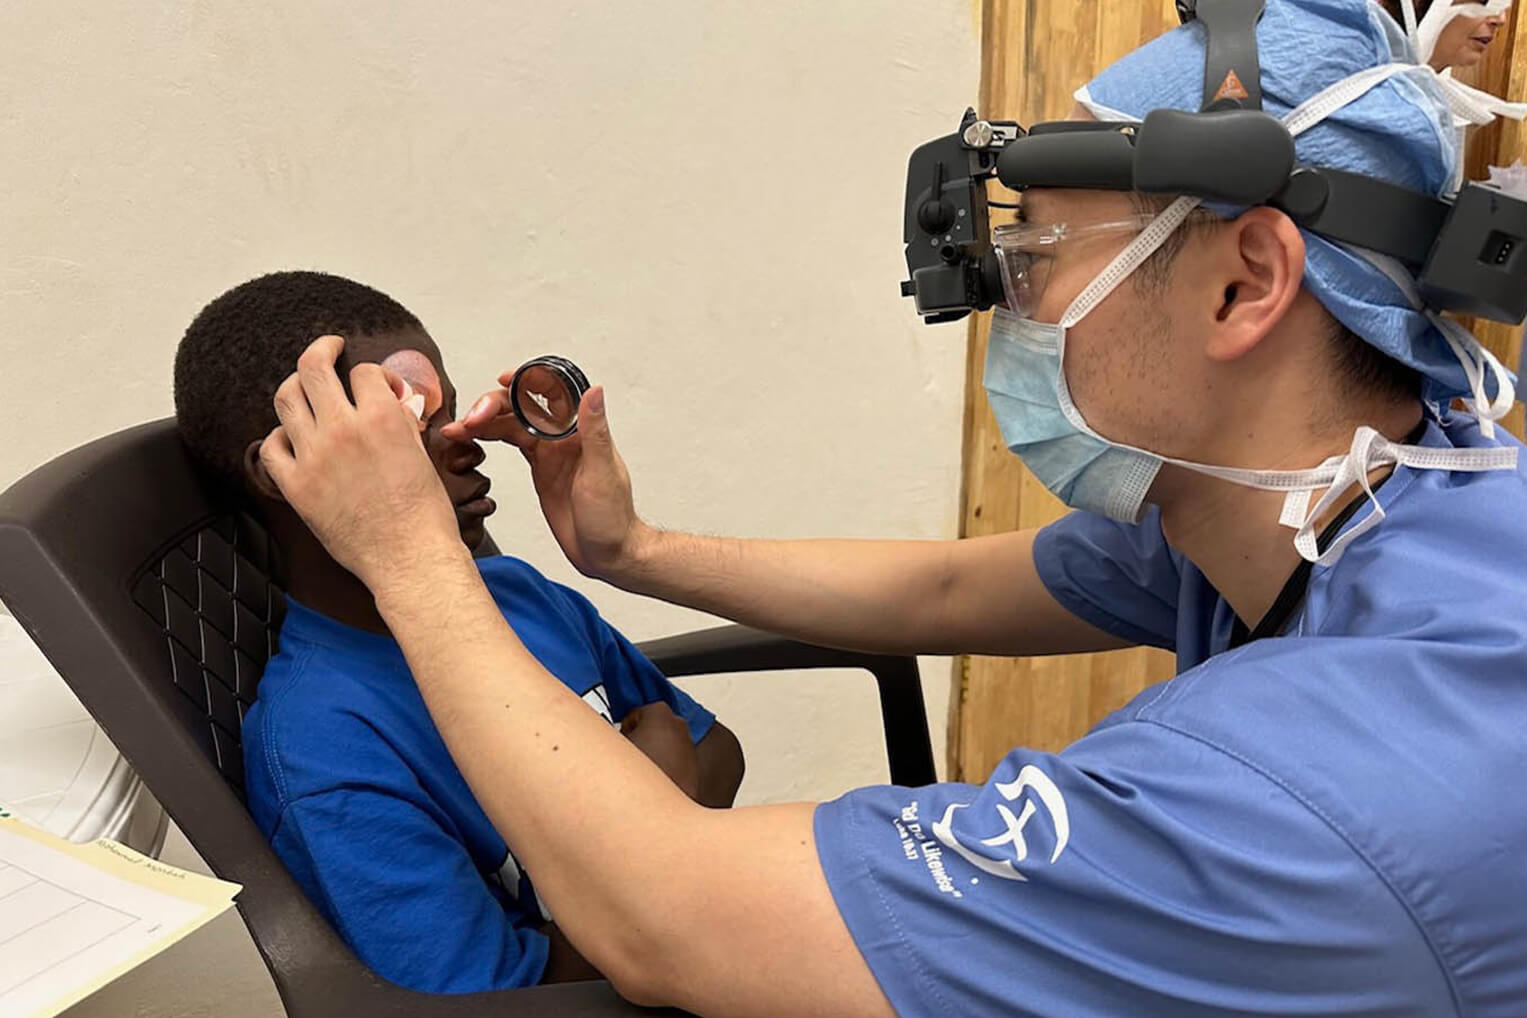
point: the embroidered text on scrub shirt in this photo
(910, 830)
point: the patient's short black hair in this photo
(243, 345)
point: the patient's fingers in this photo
(315, 367)
(294, 413)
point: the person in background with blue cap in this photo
(1447, 35)
(1317, 816)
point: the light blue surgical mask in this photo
(1025, 384)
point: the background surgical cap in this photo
(1400, 131)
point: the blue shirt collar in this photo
(304, 625)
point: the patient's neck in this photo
(317, 581)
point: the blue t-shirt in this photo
(1326, 822)
(353, 786)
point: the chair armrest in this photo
(740, 649)
(562, 1000)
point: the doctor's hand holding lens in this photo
(1258, 426)
(547, 409)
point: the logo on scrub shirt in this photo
(1031, 784)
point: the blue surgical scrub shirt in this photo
(1331, 821)
(353, 786)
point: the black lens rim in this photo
(568, 373)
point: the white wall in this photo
(699, 202)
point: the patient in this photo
(346, 773)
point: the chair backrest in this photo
(159, 607)
(219, 609)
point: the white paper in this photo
(74, 917)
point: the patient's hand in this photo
(664, 737)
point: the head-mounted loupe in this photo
(1469, 253)
(545, 393)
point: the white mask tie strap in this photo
(1296, 509)
(1366, 454)
(1131, 258)
(1332, 98)
(1371, 450)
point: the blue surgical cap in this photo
(1400, 131)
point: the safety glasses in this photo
(1026, 253)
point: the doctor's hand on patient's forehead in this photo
(357, 472)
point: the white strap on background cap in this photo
(1107, 114)
(1476, 360)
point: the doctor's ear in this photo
(256, 477)
(1262, 271)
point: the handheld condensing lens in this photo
(545, 393)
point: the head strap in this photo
(1232, 71)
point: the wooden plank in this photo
(1503, 72)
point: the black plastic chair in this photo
(159, 609)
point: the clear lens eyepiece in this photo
(545, 393)
(1017, 271)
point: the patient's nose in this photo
(463, 456)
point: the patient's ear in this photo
(257, 478)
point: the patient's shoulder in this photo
(505, 572)
(522, 590)
(320, 719)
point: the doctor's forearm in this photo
(873, 596)
(480, 682)
(572, 797)
(974, 596)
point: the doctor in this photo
(1319, 815)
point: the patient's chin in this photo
(473, 533)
